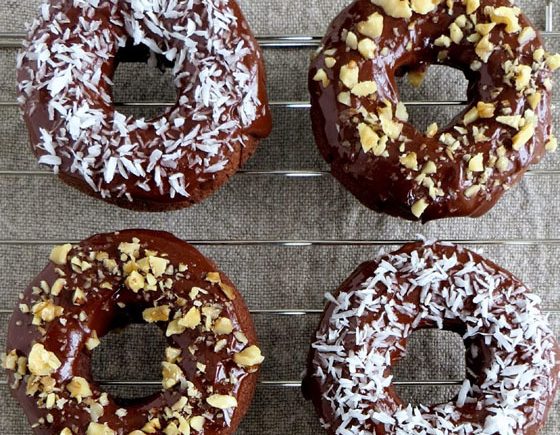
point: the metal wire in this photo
(14, 41)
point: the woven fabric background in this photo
(269, 208)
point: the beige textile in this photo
(270, 208)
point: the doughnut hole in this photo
(134, 353)
(441, 83)
(140, 77)
(431, 355)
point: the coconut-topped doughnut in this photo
(361, 126)
(210, 366)
(512, 356)
(173, 160)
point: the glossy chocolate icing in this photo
(136, 191)
(382, 183)
(104, 308)
(318, 386)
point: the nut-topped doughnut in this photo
(512, 356)
(173, 160)
(361, 127)
(210, 366)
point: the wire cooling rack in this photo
(10, 41)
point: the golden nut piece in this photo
(59, 254)
(222, 401)
(249, 357)
(42, 362)
(156, 314)
(135, 281)
(79, 388)
(99, 429)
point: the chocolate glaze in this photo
(106, 308)
(237, 146)
(479, 355)
(382, 183)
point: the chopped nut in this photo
(171, 373)
(135, 282)
(472, 190)
(502, 164)
(173, 328)
(538, 54)
(524, 135)
(391, 128)
(156, 314)
(349, 74)
(476, 163)
(552, 144)
(373, 27)
(59, 254)
(534, 100)
(152, 426)
(249, 357)
(42, 362)
(423, 7)
(344, 98)
(368, 137)
(330, 62)
(172, 354)
(472, 6)
(192, 319)
(506, 15)
(432, 130)
(99, 429)
(484, 48)
(443, 41)
(471, 116)
(66, 431)
(93, 341)
(10, 360)
(511, 121)
(351, 40)
(228, 291)
(213, 277)
(485, 110)
(409, 161)
(415, 78)
(526, 35)
(45, 311)
(419, 207)
(321, 76)
(553, 61)
(364, 89)
(222, 401)
(401, 113)
(131, 249)
(197, 423)
(484, 29)
(57, 286)
(79, 388)
(367, 48)
(455, 33)
(79, 297)
(158, 265)
(429, 168)
(223, 326)
(522, 77)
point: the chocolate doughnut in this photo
(173, 160)
(512, 356)
(361, 127)
(209, 369)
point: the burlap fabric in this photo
(269, 208)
